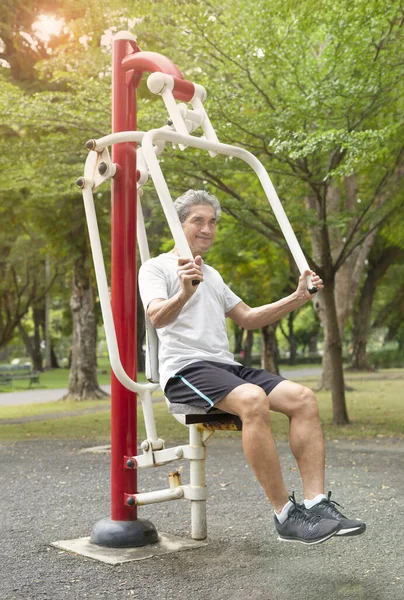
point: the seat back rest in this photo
(184, 413)
(151, 358)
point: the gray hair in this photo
(194, 198)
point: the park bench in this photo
(11, 373)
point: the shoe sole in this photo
(307, 543)
(352, 531)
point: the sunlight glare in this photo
(46, 26)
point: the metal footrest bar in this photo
(187, 492)
(154, 497)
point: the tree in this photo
(258, 274)
(21, 285)
(382, 256)
(389, 306)
(38, 126)
(303, 329)
(22, 48)
(318, 100)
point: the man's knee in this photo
(254, 404)
(306, 404)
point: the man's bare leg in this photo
(252, 405)
(306, 439)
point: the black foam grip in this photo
(195, 282)
(313, 290)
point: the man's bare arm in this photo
(162, 312)
(255, 318)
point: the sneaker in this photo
(328, 510)
(305, 527)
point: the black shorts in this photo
(204, 383)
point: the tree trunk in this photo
(292, 339)
(47, 307)
(39, 319)
(362, 315)
(326, 243)
(361, 325)
(238, 338)
(348, 279)
(334, 312)
(54, 359)
(26, 340)
(269, 349)
(332, 365)
(348, 276)
(83, 382)
(313, 342)
(33, 345)
(248, 342)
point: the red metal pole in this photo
(124, 529)
(126, 63)
(123, 285)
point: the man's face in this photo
(200, 228)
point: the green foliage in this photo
(314, 89)
(386, 359)
(389, 312)
(44, 123)
(305, 325)
(317, 100)
(256, 271)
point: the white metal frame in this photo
(184, 121)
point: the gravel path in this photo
(37, 396)
(52, 491)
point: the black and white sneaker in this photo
(305, 527)
(328, 510)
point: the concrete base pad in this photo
(115, 556)
(96, 450)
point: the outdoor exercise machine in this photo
(133, 160)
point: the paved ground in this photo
(52, 491)
(36, 396)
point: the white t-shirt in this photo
(199, 332)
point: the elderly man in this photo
(187, 302)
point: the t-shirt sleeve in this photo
(152, 283)
(230, 299)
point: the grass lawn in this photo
(375, 408)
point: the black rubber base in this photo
(124, 534)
